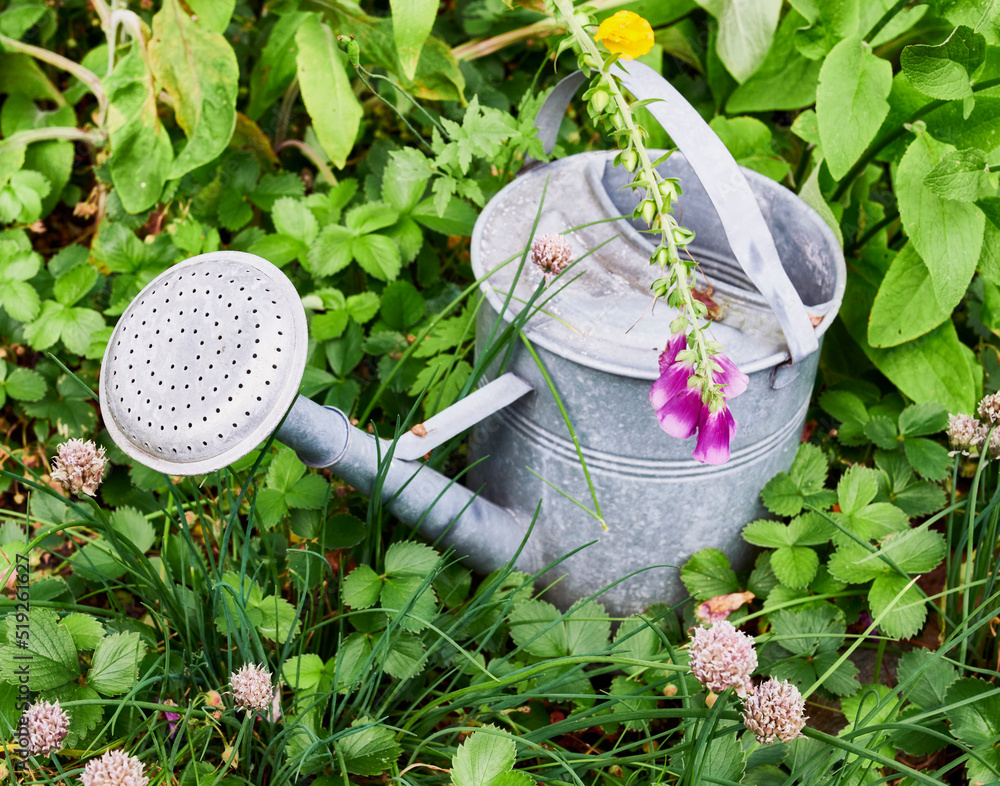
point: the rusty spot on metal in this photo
(419, 430)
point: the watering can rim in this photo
(728, 186)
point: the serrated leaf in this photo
(945, 71)
(638, 640)
(769, 534)
(904, 617)
(278, 621)
(482, 758)
(795, 566)
(930, 459)
(403, 658)
(919, 420)
(370, 751)
(927, 677)
(856, 489)
(976, 722)
(363, 306)
(410, 558)
(962, 175)
(350, 660)
(86, 630)
(308, 493)
(413, 595)
(115, 666)
(810, 630)
(49, 648)
(291, 217)
(361, 587)
(882, 431)
(708, 574)
(132, 525)
(24, 384)
(378, 256)
(782, 496)
(535, 627)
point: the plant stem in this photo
(44, 134)
(312, 155)
(666, 221)
(85, 75)
(886, 18)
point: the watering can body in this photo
(769, 262)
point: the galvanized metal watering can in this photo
(208, 358)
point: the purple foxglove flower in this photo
(681, 410)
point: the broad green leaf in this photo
(947, 234)
(976, 722)
(213, 14)
(309, 493)
(49, 647)
(962, 175)
(810, 630)
(279, 249)
(74, 284)
(708, 574)
(278, 619)
(906, 305)
(851, 102)
(786, 493)
(588, 628)
(87, 631)
(856, 489)
(945, 71)
(483, 758)
(412, 21)
(362, 306)
(410, 597)
(931, 675)
(197, 68)
(402, 305)
(405, 179)
(638, 640)
(404, 657)
(535, 627)
(344, 353)
(350, 660)
(726, 761)
(326, 89)
(751, 144)
(930, 459)
(275, 69)
(141, 152)
(873, 705)
(457, 217)
(291, 217)
(370, 751)
(24, 384)
(769, 534)
(746, 30)
(919, 420)
(795, 566)
(410, 558)
(131, 525)
(378, 256)
(370, 217)
(915, 550)
(785, 80)
(116, 661)
(284, 470)
(882, 431)
(361, 587)
(333, 251)
(905, 616)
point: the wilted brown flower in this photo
(79, 466)
(775, 711)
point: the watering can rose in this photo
(627, 34)
(681, 407)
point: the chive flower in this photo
(723, 657)
(551, 254)
(47, 727)
(775, 711)
(252, 687)
(114, 768)
(79, 466)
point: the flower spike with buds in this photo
(709, 378)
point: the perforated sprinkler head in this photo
(204, 363)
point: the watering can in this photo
(207, 360)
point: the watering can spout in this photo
(441, 509)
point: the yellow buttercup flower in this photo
(626, 34)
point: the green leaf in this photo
(197, 68)
(350, 660)
(370, 217)
(275, 69)
(856, 489)
(309, 493)
(131, 525)
(333, 251)
(962, 175)
(784, 81)
(457, 218)
(769, 534)
(726, 761)
(278, 619)
(483, 758)
(907, 304)
(403, 658)
(271, 188)
(931, 675)
(905, 617)
(402, 305)
(535, 627)
(410, 599)
(745, 32)
(945, 71)
(213, 14)
(115, 666)
(588, 628)
(141, 152)
(412, 21)
(279, 249)
(405, 179)
(291, 217)
(882, 431)
(919, 420)
(947, 234)
(363, 306)
(976, 722)
(410, 558)
(636, 639)
(786, 493)
(851, 102)
(873, 705)
(378, 256)
(809, 631)
(326, 90)
(752, 145)
(929, 458)
(708, 574)
(86, 630)
(24, 384)
(361, 587)
(344, 353)
(49, 649)
(915, 550)
(795, 566)
(370, 751)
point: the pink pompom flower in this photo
(681, 407)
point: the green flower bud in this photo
(662, 256)
(630, 160)
(649, 211)
(679, 325)
(600, 98)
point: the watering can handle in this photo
(746, 230)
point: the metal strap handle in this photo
(747, 232)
